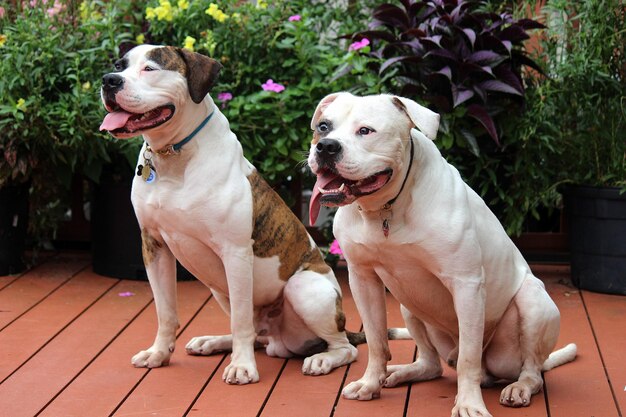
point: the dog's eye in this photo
(365, 131)
(118, 66)
(149, 68)
(323, 127)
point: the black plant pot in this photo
(116, 238)
(597, 238)
(13, 227)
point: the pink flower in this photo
(55, 9)
(295, 18)
(270, 85)
(359, 44)
(2, 12)
(335, 249)
(224, 97)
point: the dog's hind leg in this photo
(209, 345)
(427, 366)
(317, 302)
(538, 331)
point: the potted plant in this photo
(51, 60)
(583, 108)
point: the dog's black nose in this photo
(328, 148)
(112, 82)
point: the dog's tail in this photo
(560, 357)
(395, 333)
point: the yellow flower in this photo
(86, 86)
(21, 104)
(261, 4)
(140, 38)
(3, 40)
(189, 42)
(183, 4)
(84, 10)
(164, 11)
(216, 13)
(150, 13)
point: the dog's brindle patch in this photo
(278, 232)
(168, 59)
(149, 247)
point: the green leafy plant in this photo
(292, 43)
(463, 60)
(52, 57)
(585, 93)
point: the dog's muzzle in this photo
(328, 152)
(112, 83)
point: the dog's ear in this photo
(424, 119)
(201, 73)
(321, 106)
(124, 47)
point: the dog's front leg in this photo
(238, 264)
(369, 294)
(161, 268)
(469, 302)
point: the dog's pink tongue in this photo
(322, 181)
(115, 120)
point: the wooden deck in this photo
(67, 336)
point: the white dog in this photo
(200, 201)
(408, 222)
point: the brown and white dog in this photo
(407, 221)
(200, 201)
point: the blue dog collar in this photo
(174, 149)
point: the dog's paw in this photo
(240, 374)
(362, 390)
(470, 410)
(319, 364)
(151, 358)
(208, 345)
(413, 372)
(516, 394)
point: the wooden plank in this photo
(72, 350)
(34, 285)
(221, 399)
(24, 337)
(579, 388)
(171, 390)
(105, 383)
(607, 314)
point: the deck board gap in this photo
(408, 391)
(130, 391)
(595, 339)
(201, 390)
(98, 354)
(193, 317)
(55, 289)
(271, 390)
(61, 330)
(343, 383)
(545, 394)
(32, 268)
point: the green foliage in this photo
(585, 93)
(258, 42)
(51, 61)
